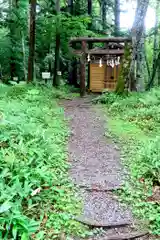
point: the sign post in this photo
(46, 76)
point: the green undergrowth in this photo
(134, 120)
(37, 198)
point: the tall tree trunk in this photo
(155, 44)
(117, 17)
(158, 71)
(24, 56)
(90, 45)
(156, 41)
(32, 39)
(56, 78)
(72, 67)
(147, 63)
(89, 7)
(104, 13)
(70, 6)
(138, 50)
(151, 82)
(12, 27)
(90, 13)
(140, 69)
(156, 53)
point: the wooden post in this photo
(101, 40)
(89, 74)
(83, 70)
(105, 75)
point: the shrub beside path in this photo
(97, 171)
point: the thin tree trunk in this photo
(147, 63)
(24, 56)
(72, 68)
(56, 78)
(140, 70)
(1, 72)
(155, 44)
(156, 61)
(70, 6)
(158, 71)
(89, 7)
(151, 82)
(90, 13)
(104, 13)
(12, 6)
(31, 58)
(117, 17)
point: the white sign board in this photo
(59, 73)
(46, 75)
(15, 78)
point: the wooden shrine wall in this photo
(104, 77)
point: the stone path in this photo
(96, 169)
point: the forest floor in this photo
(37, 198)
(40, 200)
(97, 171)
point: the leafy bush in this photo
(147, 163)
(136, 121)
(107, 98)
(140, 108)
(143, 189)
(36, 194)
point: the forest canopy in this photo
(34, 37)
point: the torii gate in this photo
(84, 41)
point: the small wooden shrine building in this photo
(104, 61)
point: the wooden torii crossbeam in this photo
(101, 40)
(84, 50)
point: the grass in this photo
(135, 121)
(37, 197)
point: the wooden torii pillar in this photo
(83, 70)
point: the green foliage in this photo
(148, 164)
(141, 109)
(135, 121)
(142, 191)
(14, 35)
(75, 25)
(37, 198)
(106, 98)
(4, 51)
